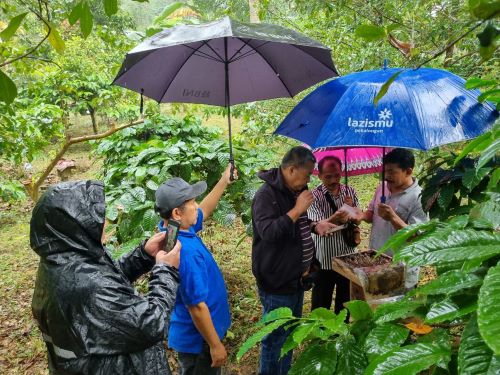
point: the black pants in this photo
(197, 364)
(322, 293)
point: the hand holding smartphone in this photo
(171, 234)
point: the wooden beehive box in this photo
(371, 278)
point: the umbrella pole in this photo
(345, 165)
(228, 106)
(382, 198)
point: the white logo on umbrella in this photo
(385, 114)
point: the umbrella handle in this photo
(231, 171)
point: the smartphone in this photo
(171, 235)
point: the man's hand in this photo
(155, 244)
(218, 354)
(339, 217)
(304, 200)
(227, 174)
(323, 228)
(172, 258)
(386, 212)
(349, 201)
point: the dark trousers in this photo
(197, 364)
(322, 293)
(270, 362)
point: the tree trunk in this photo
(253, 6)
(33, 189)
(92, 117)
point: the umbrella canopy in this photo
(359, 160)
(422, 109)
(223, 63)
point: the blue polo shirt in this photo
(200, 281)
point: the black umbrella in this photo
(224, 63)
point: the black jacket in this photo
(277, 245)
(91, 318)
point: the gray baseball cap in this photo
(174, 192)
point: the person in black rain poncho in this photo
(91, 318)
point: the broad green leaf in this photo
(488, 315)
(476, 145)
(350, 359)
(395, 310)
(151, 185)
(370, 33)
(360, 329)
(288, 345)
(450, 282)
(475, 83)
(86, 20)
(409, 360)
(55, 39)
(438, 336)
(484, 9)
(337, 324)
(385, 87)
(8, 89)
(472, 177)
(398, 239)
(459, 245)
(76, 14)
(489, 153)
(494, 179)
(302, 331)
(474, 356)
(318, 359)
(447, 310)
(446, 195)
(167, 11)
(111, 212)
(486, 215)
(383, 338)
(110, 7)
(12, 27)
(359, 310)
(149, 220)
(139, 194)
(322, 314)
(489, 95)
(258, 336)
(279, 313)
(128, 202)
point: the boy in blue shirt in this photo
(201, 317)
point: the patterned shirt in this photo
(307, 241)
(329, 247)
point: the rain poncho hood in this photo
(91, 318)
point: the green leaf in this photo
(167, 11)
(279, 313)
(76, 14)
(359, 310)
(458, 245)
(139, 194)
(110, 7)
(475, 83)
(151, 185)
(398, 239)
(474, 356)
(446, 195)
(258, 336)
(350, 359)
(385, 87)
(302, 331)
(494, 179)
(488, 315)
(12, 27)
(409, 360)
(395, 310)
(86, 20)
(476, 145)
(111, 212)
(55, 39)
(489, 95)
(149, 220)
(322, 314)
(319, 358)
(370, 33)
(472, 177)
(489, 153)
(447, 310)
(337, 325)
(484, 9)
(486, 215)
(450, 282)
(383, 338)
(8, 89)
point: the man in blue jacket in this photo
(283, 253)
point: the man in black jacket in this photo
(283, 250)
(92, 320)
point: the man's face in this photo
(298, 178)
(331, 174)
(188, 215)
(395, 176)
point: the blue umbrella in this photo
(422, 109)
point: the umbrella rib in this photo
(321, 62)
(238, 51)
(178, 70)
(274, 70)
(201, 53)
(209, 46)
(246, 54)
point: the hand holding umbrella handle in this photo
(231, 173)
